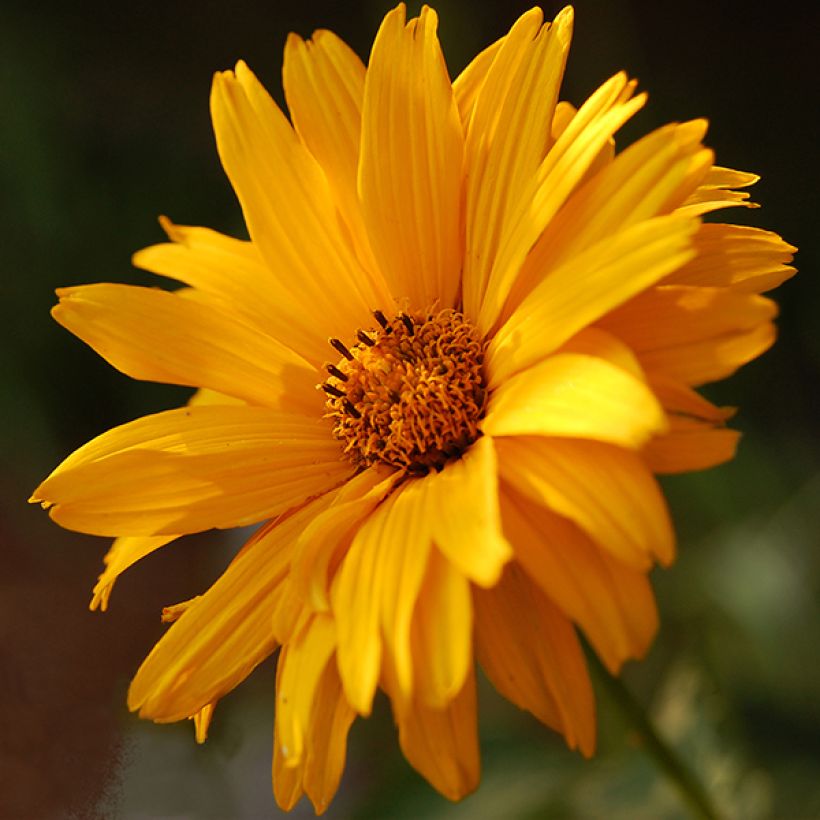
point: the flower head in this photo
(464, 334)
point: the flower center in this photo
(410, 393)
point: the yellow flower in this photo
(507, 318)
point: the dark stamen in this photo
(348, 406)
(334, 371)
(364, 338)
(407, 322)
(331, 390)
(339, 345)
(380, 318)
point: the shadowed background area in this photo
(104, 126)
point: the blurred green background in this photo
(104, 125)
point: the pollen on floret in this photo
(411, 392)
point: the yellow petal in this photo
(124, 553)
(461, 511)
(507, 138)
(387, 559)
(748, 260)
(331, 532)
(467, 85)
(574, 395)
(289, 207)
(410, 165)
(585, 288)
(327, 740)
(234, 271)
(611, 602)
(693, 334)
(592, 341)
(565, 112)
(301, 665)
(159, 336)
(405, 557)
(691, 445)
(531, 654)
(647, 179)
(442, 634)
(562, 170)
(442, 744)
(716, 191)
(324, 88)
(320, 766)
(207, 396)
(607, 491)
(224, 634)
(202, 722)
(192, 469)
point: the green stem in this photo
(689, 786)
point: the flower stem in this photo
(661, 752)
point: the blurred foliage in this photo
(104, 126)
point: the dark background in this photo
(104, 125)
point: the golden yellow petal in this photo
(442, 634)
(327, 739)
(124, 553)
(393, 541)
(531, 654)
(192, 469)
(647, 179)
(301, 665)
(442, 744)
(507, 138)
(324, 88)
(745, 259)
(331, 531)
(165, 337)
(691, 445)
(575, 395)
(207, 396)
(405, 556)
(610, 601)
(461, 511)
(585, 288)
(564, 167)
(202, 722)
(289, 207)
(410, 166)
(680, 401)
(222, 635)
(234, 271)
(565, 112)
(717, 191)
(693, 334)
(606, 490)
(592, 341)
(467, 85)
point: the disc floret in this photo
(411, 391)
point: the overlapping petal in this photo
(585, 288)
(289, 207)
(610, 601)
(606, 490)
(694, 334)
(507, 138)
(225, 633)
